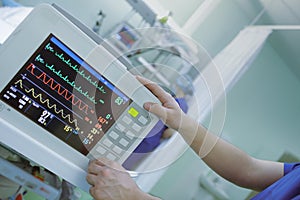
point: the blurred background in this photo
(255, 46)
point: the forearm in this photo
(224, 158)
(227, 160)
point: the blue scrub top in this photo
(286, 188)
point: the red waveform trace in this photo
(59, 89)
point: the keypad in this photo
(117, 150)
(136, 127)
(143, 120)
(124, 142)
(111, 156)
(114, 135)
(123, 133)
(120, 127)
(101, 150)
(107, 142)
(127, 119)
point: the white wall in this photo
(262, 118)
(221, 26)
(263, 112)
(263, 108)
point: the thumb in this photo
(156, 109)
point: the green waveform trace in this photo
(71, 83)
(68, 62)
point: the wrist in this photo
(188, 126)
(192, 132)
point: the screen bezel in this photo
(19, 130)
(40, 61)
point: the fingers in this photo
(160, 93)
(169, 111)
(102, 161)
(95, 167)
(156, 109)
(91, 179)
(98, 165)
(108, 183)
(99, 168)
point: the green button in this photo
(133, 112)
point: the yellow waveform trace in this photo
(47, 103)
(20, 83)
(54, 106)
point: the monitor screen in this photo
(127, 36)
(62, 93)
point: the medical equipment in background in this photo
(124, 35)
(18, 176)
(127, 33)
(153, 48)
(140, 7)
(99, 21)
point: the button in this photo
(130, 135)
(117, 149)
(111, 156)
(120, 127)
(113, 135)
(127, 120)
(143, 120)
(133, 112)
(107, 142)
(124, 142)
(136, 127)
(101, 150)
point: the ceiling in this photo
(285, 42)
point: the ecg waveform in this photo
(53, 85)
(79, 71)
(58, 91)
(47, 103)
(66, 79)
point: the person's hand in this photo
(110, 181)
(168, 111)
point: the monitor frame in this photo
(19, 133)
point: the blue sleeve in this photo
(288, 167)
(288, 187)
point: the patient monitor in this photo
(65, 99)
